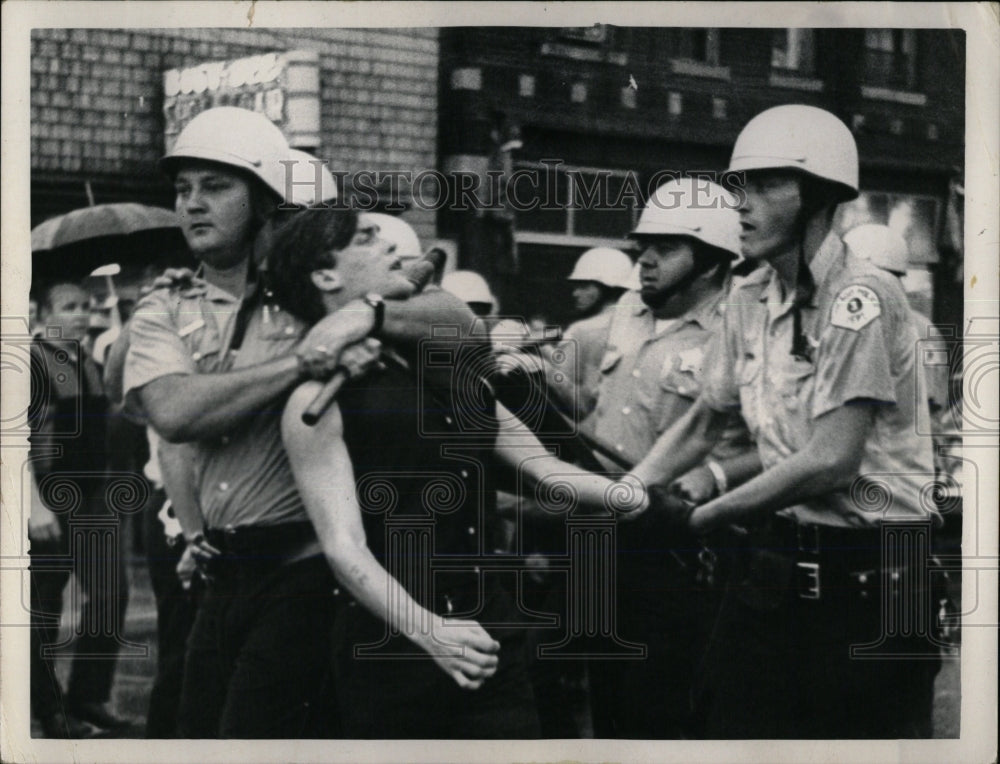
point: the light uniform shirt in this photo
(860, 340)
(243, 477)
(574, 368)
(650, 378)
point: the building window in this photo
(675, 104)
(719, 108)
(595, 35)
(578, 92)
(701, 45)
(526, 86)
(891, 58)
(794, 51)
(563, 204)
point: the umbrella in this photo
(120, 219)
(68, 247)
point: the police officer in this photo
(817, 353)
(210, 361)
(473, 290)
(599, 278)
(651, 373)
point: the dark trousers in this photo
(780, 666)
(393, 697)
(93, 552)
(258, 654)
(661, 601)
(175, 612)
(662, 607)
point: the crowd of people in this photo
(335, 484)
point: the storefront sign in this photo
(284, 86)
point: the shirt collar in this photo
(213, 293)
(830, 252)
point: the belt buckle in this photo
(810, 574)
(706, 566)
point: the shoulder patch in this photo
(855, 307)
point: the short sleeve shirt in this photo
(575, 367)
(860, 347)
(243, 477)
(649, 379)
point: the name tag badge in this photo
(192, 327)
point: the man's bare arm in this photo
(325, 478)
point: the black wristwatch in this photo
(376, 303)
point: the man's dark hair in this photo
(304, 242)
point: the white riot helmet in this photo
(881, 245)
(803, 138)
(604, 265)
(399, 232)
(304, 180)
(469, 286)
(693, 207)
(236, 137)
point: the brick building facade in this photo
(97, 98)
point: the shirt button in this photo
(471, 530)
(464, 473)
(636, 373)
(223, 486)
(626, 411)
(620, 447)
(224, 440)
(196, 356)
(447, 420)
(289, 330)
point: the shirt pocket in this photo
(675, 379)
(795, 384)
(203, 343)
(206, 351)
(277, 324)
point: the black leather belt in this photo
(825, 540)
(819, 560)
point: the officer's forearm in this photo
(186, 407)
(829, 461)
(412, 320)
(177, 470)
(683, 446)
(739, 469)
